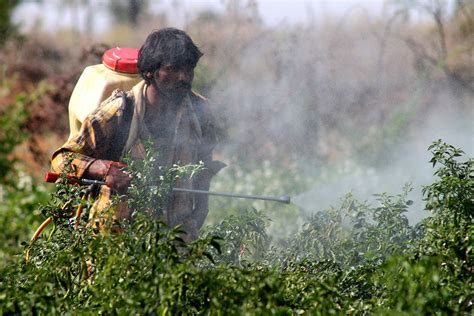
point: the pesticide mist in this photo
(344, 101)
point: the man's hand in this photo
(111, 172)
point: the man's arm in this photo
(211, 167)
(91, 153)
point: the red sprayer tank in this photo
(118, 70)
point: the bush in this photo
(20, 194)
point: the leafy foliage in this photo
(356, 232)
(356, 258)
(11, 135)
(151, 185)
(19, 192)
(244, 235)
(7, 27)
(436, 275)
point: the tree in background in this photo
(464, 16)
(128, 11)
(448, 44)
(7, 28)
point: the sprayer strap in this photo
(124, 122)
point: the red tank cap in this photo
(121, 59)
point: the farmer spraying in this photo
(161, 108)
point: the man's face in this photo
(174, 82)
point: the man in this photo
(161, 108)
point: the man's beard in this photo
(174, 93)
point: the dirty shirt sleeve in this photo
(209, 136)
(94, 140)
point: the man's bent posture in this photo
(161, 108)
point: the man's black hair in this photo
(168, 46)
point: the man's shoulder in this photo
(203, 110)
(201, 106)
(113, 105)
(117, 96)
(200, 103)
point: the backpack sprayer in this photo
(118, 70)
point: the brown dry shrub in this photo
(37, 60)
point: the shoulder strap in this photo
(124, 122)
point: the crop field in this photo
(355, 258)
(365, 121)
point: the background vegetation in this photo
(332, 105)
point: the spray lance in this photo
(53, 176)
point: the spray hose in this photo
(52, 177)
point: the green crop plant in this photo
(20, 194)
(353, 259)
